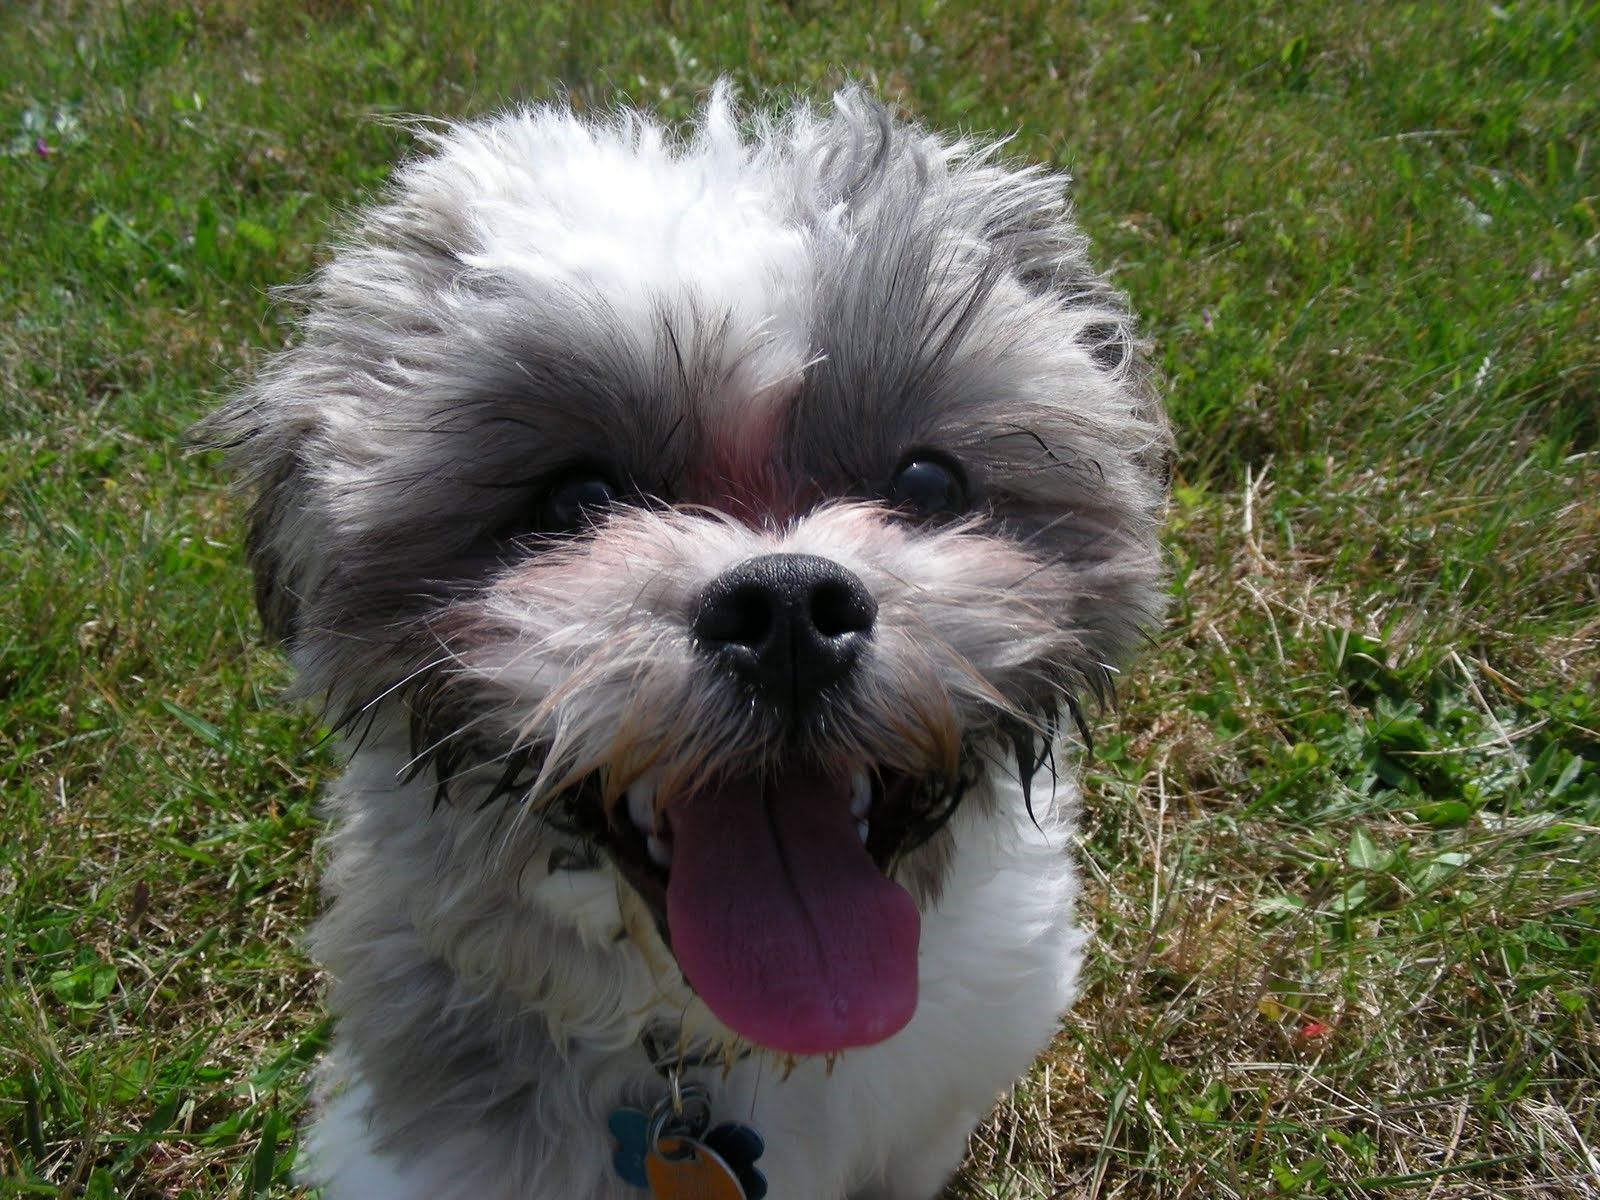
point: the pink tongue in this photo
(782, 923)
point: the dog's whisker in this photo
(404, 681)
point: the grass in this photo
(1341, 842)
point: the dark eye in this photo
(928, 485)
(574, 500)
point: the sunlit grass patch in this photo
(1339, 842)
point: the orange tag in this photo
(684, 1169)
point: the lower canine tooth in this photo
(642, 802)
(660, 851)
(861, 831)
(860, 794)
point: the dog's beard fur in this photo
(747, 339)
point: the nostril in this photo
(838, 609)
(741, 616)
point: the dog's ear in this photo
(1044, 249)
(270, 467)
(1047, 252)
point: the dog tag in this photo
(671, 1153)
(681, 1168)
(721, 1165)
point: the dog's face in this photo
(737, 506)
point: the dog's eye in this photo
(575, 500)
(928, 484)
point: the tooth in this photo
(642, 802)
(861, 831)
(860, 794)
(660, 851)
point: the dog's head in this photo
(734, 502)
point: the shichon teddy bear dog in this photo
(706, 542)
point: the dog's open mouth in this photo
(773, 892)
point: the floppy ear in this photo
(269, 466)
(1030, 228)
(1050, 256)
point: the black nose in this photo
(790, 624)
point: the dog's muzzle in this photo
(772, 879)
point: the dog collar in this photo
(675, 1153)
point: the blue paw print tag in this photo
(630, 1127)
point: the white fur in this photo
(999, 958)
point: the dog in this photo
(707, 540)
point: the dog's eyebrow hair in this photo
(1020, 430)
